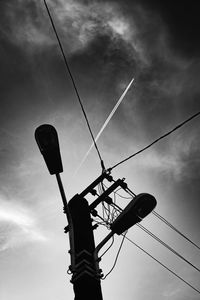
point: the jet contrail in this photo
(105, 124)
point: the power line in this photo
(107, 248)
(105, 123)
(155, 259)
(162, 243)
(157, 215)
(157, 140)
(73, 82)
(167, 246)
(120, 247)
(174, 228)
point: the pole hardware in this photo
(90, 188)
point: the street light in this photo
(134, 212)
(47, 139)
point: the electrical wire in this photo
(167, 246)
(120, 247)
(155, 259)
(108, 247)
(127, 191)
(161, 242)
(106, 210)
(123, 197)
(73, 82)
(105, 123)
(157, 140)
(174, 228)
(157, 215)
(114, 212)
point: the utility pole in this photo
(86, 275)
(84, 259)
(84, 267)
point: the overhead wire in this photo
(162, 219)
(156, 141)
(116, 258)
(124, 160)
(174, 228)
(108, 247)
(74, 84)
(94, 140)
(105, 209)
(164, 266)
(167, 246)
(151, 256)
(105, 124)
(161, 242)
(157, 215)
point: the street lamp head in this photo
(144, 203)
(47, 139)
(134, 212)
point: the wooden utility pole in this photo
(86, 275)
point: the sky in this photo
(107, 43)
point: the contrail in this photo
(105, 124)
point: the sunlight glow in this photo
(22, 226)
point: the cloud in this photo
(18, 226)
(162, 77)
(176, 156)
(78, 24)
(26, 26)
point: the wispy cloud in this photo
(177, 159)
(78, 24)
(18, 226)
(164, 79)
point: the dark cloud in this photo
(183, 23)
(105, 49)
(113, 53)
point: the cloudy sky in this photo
(107, 43)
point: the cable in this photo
(127, 191)
(162, 265)
(167, 246)
(155, 259)
(105, 124)
(157, 140)
(174, 228)
(120, 247)
(157, 215)
(123, 197)
(108, 247)
(161, 242)
(73, 82)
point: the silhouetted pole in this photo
(85, 270)
(86, 275)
